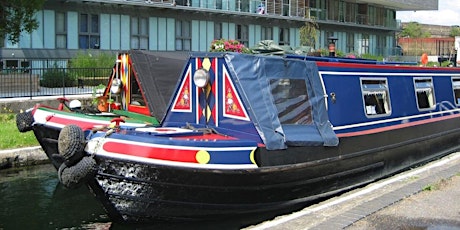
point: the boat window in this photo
(456, 89)
(425, 93)
(375, 96)
(291, 100)
(136, 95)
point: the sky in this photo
(448, 14)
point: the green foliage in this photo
(17, 16)
(372, 57)
(57, 77)
(414, 30)
(89, 60)
(455, 31)
(92, 69)
(14, 139)
(309, 33)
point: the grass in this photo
(10, 137)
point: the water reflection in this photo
(32, 198)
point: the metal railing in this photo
(34, 82)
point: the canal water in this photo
(32, 198)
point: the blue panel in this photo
(196, 35)
(203, 38)
(72, 30)
(105, 32)
(232, 5)
(153, 33)
(49, 38)
(161, 34)
(210, 37)
(231, 31)
(254, 30)
(276, 34)
(115, 32)
(125, 33)
(171, 34)
(224, 30)
(37, 35)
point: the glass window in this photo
(456, 88)
(350, 42)
(286, 8)
(61, 30)
(183, 35)
(291, 101)
(284, 36)
(217, 30)
(242, 32)
(88, 37)
(425, 93)
(267, 33)
(139, 33)
(375, 97)
(364, 44)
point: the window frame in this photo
(454, 88)
(139, 36)
(58, 31)
(242, 34)
(181, 35)
(387, 101)
(91, 33)
(433, 101)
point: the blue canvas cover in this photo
(277, 119)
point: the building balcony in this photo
(277, 9)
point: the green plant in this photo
(309, 33)
(91, 69)
(96, 91)
(57, 77)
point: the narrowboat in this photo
(124, 97)
(249, 134)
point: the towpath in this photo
(422, 198)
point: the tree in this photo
(17, 16)
(308, 33)
(414, 30)
(455, 31)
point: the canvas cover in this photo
(253, 75)
(158, 73)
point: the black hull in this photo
(142, 192)
(48, 139)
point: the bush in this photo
(92, 69)
(57, 77)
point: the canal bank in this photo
(421, 198)
(22, 157)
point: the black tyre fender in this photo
(24, 121)
(71, 144)
(81, 172)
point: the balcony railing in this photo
(295, 9)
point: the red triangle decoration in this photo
(233, 107)
(182, 102)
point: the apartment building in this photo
(69, 26)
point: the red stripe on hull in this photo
(82, 124)
(151, 152)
